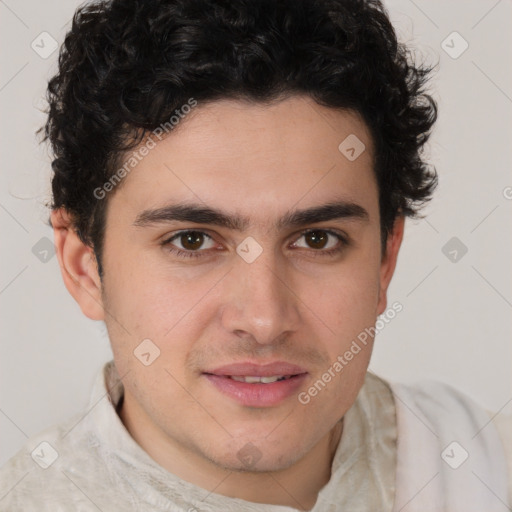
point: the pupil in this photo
(318, 239)
(192, 240)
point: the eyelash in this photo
(198, 254)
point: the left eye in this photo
(319, 239)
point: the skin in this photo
(293, 303)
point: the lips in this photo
(256, 385)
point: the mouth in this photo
(254, 385)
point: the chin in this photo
(269, 464)
(258, 456)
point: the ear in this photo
(78, 266)
(388, 263)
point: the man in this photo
(231, 182)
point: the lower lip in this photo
(257, 394)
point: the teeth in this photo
(268, 380)
(253, 380)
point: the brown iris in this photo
(192, 240)
(317, 239)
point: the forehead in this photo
(259, 158)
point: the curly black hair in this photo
(127, 65)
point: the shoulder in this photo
(447, 409)
(35, 478)
(464, 450)
(59, 467)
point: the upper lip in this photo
(258, 370)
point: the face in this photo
(270, 268)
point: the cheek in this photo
(347, 298)
(347, 306)
(164, 307)
(152, 297)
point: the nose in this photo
(262, 304)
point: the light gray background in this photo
(455, 325)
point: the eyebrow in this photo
(200, 214)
